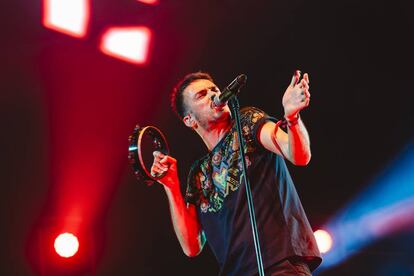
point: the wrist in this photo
(291, 117)
(292, 120)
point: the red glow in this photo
(324, 240)
(66, 245)
(130, 44)
(149, 2)
(70, 17)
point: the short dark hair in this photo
(177, 99)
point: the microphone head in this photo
(241, 79)
(217, 103)
(237, 83)
(231, 90)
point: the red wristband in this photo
(290, 123)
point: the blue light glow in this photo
(385, 207)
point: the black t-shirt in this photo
(216, 187)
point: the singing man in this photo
(214, 208)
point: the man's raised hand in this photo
(297, 95)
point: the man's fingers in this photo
(157, 174)
(295, 78)
(306, 77)
(159, 167)
(158, 154)
(292, 82)
(161, 158)
(166, 160)
(157, 170)
(304, 84)
(161, 163)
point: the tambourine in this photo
(142, 143)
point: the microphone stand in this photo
(235, 112)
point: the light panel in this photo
(70, 17)
(149, 2)
(130, 44)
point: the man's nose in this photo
(213, 91)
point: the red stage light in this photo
(324, 240)
(130, 44)
(70, 17)
(149, 2)
(66, 245)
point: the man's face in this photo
(199, 103)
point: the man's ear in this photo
(188, 120)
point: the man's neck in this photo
(212, 136)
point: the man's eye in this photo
(201, 94)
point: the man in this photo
(214, 208)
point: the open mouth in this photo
(216, 108)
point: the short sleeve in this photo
(252, 119)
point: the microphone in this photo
(230, 91)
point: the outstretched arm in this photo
(295, 144)
(184, 216)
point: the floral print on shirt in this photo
(219, 173)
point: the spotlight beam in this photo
(384, 208)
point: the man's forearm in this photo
(185, 222)
(298, 143)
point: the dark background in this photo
(67, 110)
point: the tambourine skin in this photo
(138, 151)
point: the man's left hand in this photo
(296, 96)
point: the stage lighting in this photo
(70, 17)
(384, 208)
(324, 240)
(149, 2)
(130, 44)
(66, 245)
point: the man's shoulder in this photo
(247, 109)
(250, 115)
